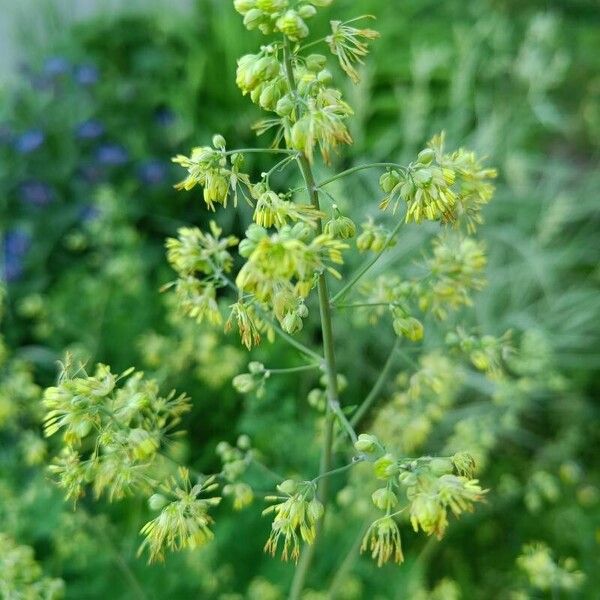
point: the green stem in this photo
(362, 270)
(368, 402)
(260, 151)
(343, 469)
(358, 168)
(333, 404)
(365, 305)
(292, 369)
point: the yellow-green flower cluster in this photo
(339, 226)
(450, 188)
(431, 490)
(455, 270)
(253, 381)
(545, 574)
(21, 575)
(112, 433)
(270, 16)
(432, 498)
(409, 417)
(199, 259)
(217, 172)
(350, 45)
(297, 511)
(374, 237)
(487, 353)
(249, 322)
(277, 210)
(261, 75)
(281, 269)
(184, 521)
(235, 463)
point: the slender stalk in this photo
(362, 270)
(260, 151)
(333, 405)
(293, 369)
(358, 168)
(368, 402)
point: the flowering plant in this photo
(116, 435)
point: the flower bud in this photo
(307, 11)
(157, 502)
(285, 106)
(218, 142)
(316, 62)
(367, 443)
(425, 157)
(385, 467)
(317, 398)
(243, 6)
(289, 487)
(244, 442)
(256, 368)
(271, 6)
(244, 383)
(325, 77)
(340, 227)
(384, 498)
(409, 328)
(315, 510)
(292, 25)
(253, 18)
(388, 181)
(292, 323)
(441, 466)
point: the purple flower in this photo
(152, 172)
(89, 130)
(86, 74)
(55, 66)
(15, 245)
(164, 116)
(36, 193)
(29, 141)
(112, 155)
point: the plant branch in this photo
(358, 168)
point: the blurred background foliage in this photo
(86, 132)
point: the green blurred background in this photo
(95, 100)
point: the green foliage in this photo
(499, 77)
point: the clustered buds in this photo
(430, 488)
(183, 521)
(339, 226)
(236, 460)
(111, 433)
(487, 353)
(270, 16)
(218, 173)
(297, 511)
(450, 188)
(199, 258)
(374, 237)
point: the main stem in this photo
(330, 366)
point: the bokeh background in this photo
(95, 98)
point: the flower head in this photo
(183, 522)
(350, 45)
(383, 541)
(296, 514)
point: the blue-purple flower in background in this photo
(55, 66)
(87, 74)
(153, 172)
(36, 193)
(15, 246)
(89, 130)
(29, 141)
(112, 155)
